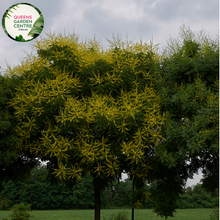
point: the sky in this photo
(190, 182)
(156, 20)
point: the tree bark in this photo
(97, 203)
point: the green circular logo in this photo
(23, 22)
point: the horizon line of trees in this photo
(44, 195)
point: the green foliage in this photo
(190, 48)
(186, 202)
(20, 212)
(126, 108)
(197, 197)
(20, 38)
(122, 193)
(8, 15)
(215, 214)
(42, 195)
(163, 200)
(111, 121)
(88, 110)
(119, 194)
(81, 195)
(188, 85)
(14, 164)
(122, 215)
(37, 27)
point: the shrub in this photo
(206, 204)
(20, 212)
(120, 216)
(5, 203)
(215, 214)
(215, 202)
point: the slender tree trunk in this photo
(97, 203)
(132, 213)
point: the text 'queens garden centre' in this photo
(23, 21)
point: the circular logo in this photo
(23, 22)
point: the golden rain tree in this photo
(89, 110)
(14, 164)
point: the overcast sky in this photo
(136, 19)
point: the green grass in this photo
(140, 214)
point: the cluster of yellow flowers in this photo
(100, 129)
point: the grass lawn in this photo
(140, 214)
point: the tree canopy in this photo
(13, 164)
(126, 108)
(88, 110)
(188, 85)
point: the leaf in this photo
(20, 38)
(35, 30)
(37, 27)
(39, 22)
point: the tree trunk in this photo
(97, 203)
(132, 213)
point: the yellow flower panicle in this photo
(79, 102)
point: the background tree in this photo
(188, 83)
(90, 111)
(43, 195)
(197, 197)
(13, 164)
